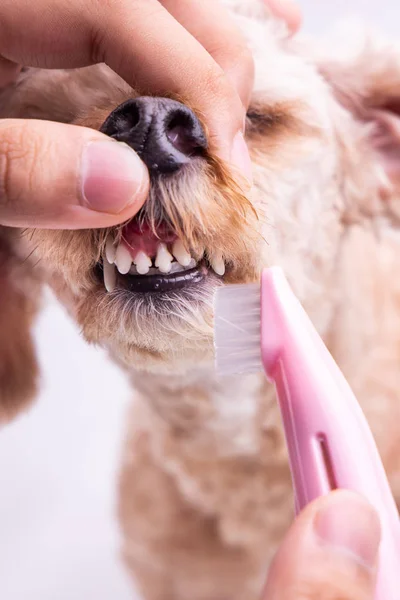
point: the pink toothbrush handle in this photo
(330, 444)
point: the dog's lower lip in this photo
(162, 283)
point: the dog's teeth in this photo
(142, 262)
(177, 268)
(123, 259)
(110, 276)
(111, 250)
(181, 254)
(218, 264)
(163, 259)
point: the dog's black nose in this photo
(165, 133)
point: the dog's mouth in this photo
(146, 259)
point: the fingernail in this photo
(349, 524)
(113, 176)
(240, 157)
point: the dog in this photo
(205, 492)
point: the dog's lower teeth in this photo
(120, 258)
(175, 268)
(178, 268)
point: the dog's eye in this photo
(262, 120)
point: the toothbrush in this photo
(265, 328)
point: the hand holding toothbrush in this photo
(330, 552)
(265, 328)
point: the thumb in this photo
(330, 552)
(64, 176)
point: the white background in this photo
(58, 537)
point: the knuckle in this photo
(105, 28)
(234, 55)
(19, 152)
(218, 86)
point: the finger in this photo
(8, 72)
(164, 57)
(139, 40)
(330, 552)
(211, 24)
(63, 176)
(287, 10)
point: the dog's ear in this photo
(364, 75)
(19, 302)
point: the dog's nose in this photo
(165, 133)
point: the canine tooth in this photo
(111, 250)
(218, 264)
(163, 259)
(181, 254)
(123, 259)
(109, 275)
(142, 262)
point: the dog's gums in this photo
(205, 492)
(153, 260)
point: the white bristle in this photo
(238, 329)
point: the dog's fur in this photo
(205, 489)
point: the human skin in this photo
(95, 182)
(329, 553)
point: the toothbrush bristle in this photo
(237, 329)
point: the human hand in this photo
(56, 175)
(330, 552)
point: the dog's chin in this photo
(152, 297)
(154, 322)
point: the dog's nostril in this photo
(182, 133)
(165, 133)
(127, 120)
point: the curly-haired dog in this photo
(205, 491)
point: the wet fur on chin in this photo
(205, 487)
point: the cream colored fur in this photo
(205, 489)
